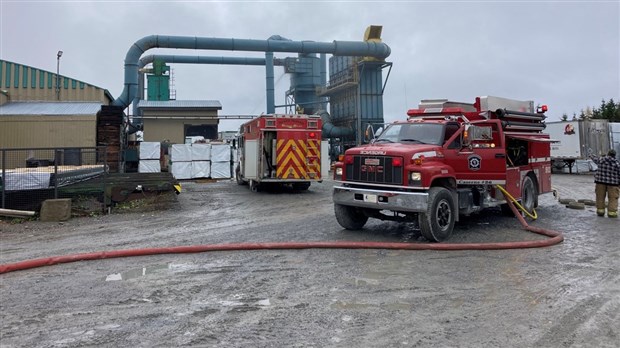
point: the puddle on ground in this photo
(135, 273)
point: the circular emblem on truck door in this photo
(474, 162)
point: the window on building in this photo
(16, 80)
(25, 77)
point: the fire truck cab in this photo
(281, 149)
(446, 160)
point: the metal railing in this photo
(29, 176)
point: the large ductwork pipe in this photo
(269, 77)
(339, 48)
(329, 130)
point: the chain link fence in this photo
(30, 176)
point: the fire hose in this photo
(554, 238)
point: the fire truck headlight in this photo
(338, 173)
(415, 179)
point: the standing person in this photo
(607, 179)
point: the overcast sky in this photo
(562, 53)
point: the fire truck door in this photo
(325, 159)
(482, 162)
(250, 156)
(291, 152)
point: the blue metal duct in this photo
(271, 89)
(330, 130)
(339, 48)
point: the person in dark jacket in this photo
(607, 179)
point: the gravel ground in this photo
(564, 295)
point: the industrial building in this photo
(40, 109)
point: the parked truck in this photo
(447, 160)
(577, 140)
(281, 150)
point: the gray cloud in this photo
(564, 54)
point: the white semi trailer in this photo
(577, 140)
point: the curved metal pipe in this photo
(329, 130)
(342, 48)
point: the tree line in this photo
(609, 110)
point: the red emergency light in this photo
(312, 134)
(397, 162)
(542, 109)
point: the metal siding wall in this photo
(24, 87)
(17, 131)
(371, 96)
(160, 130)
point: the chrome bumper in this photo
(381, 199)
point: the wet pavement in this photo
(564, 295)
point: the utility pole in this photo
(58, 55)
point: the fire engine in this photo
(281, 149)
(448, 159)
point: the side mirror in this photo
(369, 134)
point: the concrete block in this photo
(56, 209)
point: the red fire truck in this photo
(281, 149)
(448, 159)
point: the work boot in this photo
(600, 212)
(612, 214)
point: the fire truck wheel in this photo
(437, 223)
(529, 194)
(350, 218)
(253, 186)
(301, 186)
(238, 178)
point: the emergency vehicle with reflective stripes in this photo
(281, 149)
(446, 160)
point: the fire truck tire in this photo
(529, 194)
(437, 223)
(301, 186)
(238, 178)
(253, 186)
(350, 218)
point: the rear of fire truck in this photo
(281, 150)
(447, 160)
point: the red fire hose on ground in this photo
(555, 238)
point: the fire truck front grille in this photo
(374, 169)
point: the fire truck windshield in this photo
(420, 133)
